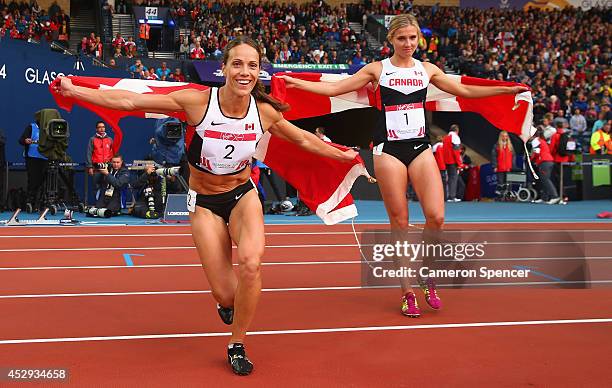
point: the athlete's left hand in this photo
(349, 155)
(518, 89)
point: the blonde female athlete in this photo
(401, 139)
(224, 126)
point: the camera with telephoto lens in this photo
(173, 130)
(98, 212)
(58, 129)
(168, 171)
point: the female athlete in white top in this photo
(217, 182)
(401, 144)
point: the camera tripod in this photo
(50, 198)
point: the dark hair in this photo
(100, 122)
(117, 156)
(259, 91)
(454, 127)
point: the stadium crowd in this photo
(27, 20)
(566, 63)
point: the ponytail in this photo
(259, 92)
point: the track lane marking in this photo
(312, 331)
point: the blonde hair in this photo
(500, 144)
(401, 21)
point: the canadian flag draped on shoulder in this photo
(512, 113)
(323, 184)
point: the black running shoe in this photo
(226, 314)
(238, 360)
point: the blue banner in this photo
(26, 70)
(488, 181)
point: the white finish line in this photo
(310, 331)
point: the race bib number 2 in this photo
(405, 121)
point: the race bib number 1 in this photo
(405, 121)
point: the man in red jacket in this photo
(559, 151)
(543, 158)
(100, 148)
(452, 158)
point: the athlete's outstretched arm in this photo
(368, 73)
(304, 139)
(130, 101)
(444, 83)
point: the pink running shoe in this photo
(431, 296)
(410, 307)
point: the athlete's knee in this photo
(435, 220)
(398, 220)
(400, 224)
(250, 265)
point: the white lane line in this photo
(183, 234)
(521, 259)
(167, 265)
(313, 331)
(307, 233)
(339, 288)
(276, 246)
(182, 292)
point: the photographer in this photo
(111, 183)
(149, 186)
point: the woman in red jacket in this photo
(544, 160)
(502, 157)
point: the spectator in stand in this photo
(129, 46)
(83, 46)
(197, 52)
(163, 72)
(137, 67)
(118, 42)
(385, 51)
(578, 123)
(578, 126)
(152, 75)
(601, 120)
(548, 130)
(177, 76)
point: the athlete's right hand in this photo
(65, 87)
